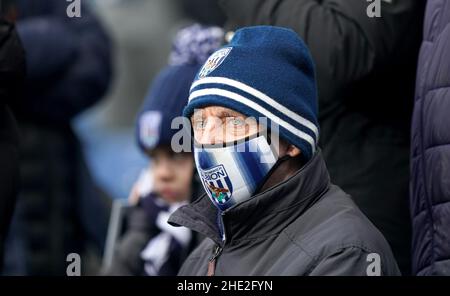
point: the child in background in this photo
(150, 246)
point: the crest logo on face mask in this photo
(217, 183)
(214, 61)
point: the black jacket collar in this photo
(265, 214)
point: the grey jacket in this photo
(302, 226)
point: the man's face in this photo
(172, 173)
(218, 125)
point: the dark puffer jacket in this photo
(430, 158)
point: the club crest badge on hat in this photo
(214, 61)
(217, 183)
(150, 126)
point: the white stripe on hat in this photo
(251, 104)
(260, 95)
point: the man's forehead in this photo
(217, 111)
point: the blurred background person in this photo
(68, 70)
(94, 159)
(430, 150)
(366, 73)
(142, 32)
(150, 246)
(12, 75)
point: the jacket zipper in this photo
(216, 252)
(212, 261)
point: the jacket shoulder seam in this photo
(336, 250)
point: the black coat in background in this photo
(68, 70)
(12, 74)
(366, 73)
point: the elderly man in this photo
(270, 208)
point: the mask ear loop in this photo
(270, 172)
(268, 135)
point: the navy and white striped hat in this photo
(267, 72)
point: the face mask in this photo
(232, 174)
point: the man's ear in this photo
(293, 151)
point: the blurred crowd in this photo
(86, 106)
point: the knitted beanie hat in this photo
(264, 72)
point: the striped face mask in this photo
(232, 174)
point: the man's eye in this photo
(236, 122)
